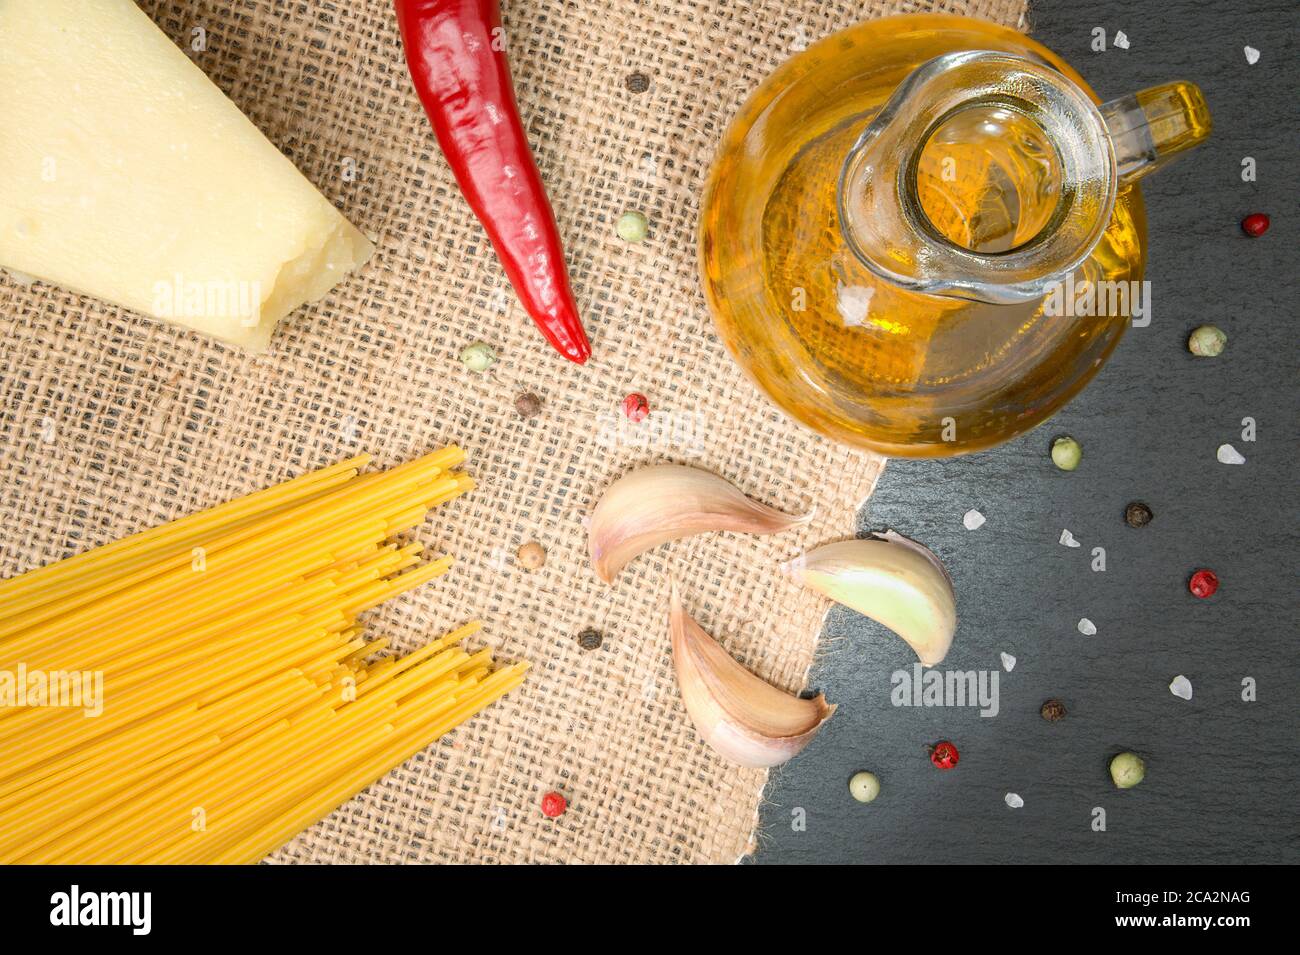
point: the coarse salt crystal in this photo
(1008, 662)
(1014, 801)
(1087, 627)
(1252, 54)
(1227, 454)
(853, 303)
(972, 520)
(1181, 687)
(1068, 539)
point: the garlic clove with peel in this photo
(893, 580)
(665, 502)
(745, 719)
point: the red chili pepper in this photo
(456, 53)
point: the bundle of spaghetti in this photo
(240, 702)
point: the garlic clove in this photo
(893, 580)
(665, 502)
(745, 719)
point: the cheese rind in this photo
(129, 176)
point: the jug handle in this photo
(1152, 127)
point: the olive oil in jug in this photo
(887, 249)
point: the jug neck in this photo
(1092, 152)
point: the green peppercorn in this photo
(1066, 453)
(633, 227)
(479, 356)
(1127, 770)
(864, 786)
(1207, 341)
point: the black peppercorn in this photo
(590, 639)
(528, 405)
(637, 82)
(1137, 514)
(1053, 710)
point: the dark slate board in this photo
(1222, 774)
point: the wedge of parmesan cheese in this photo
(125, 174)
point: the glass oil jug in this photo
(922, 235)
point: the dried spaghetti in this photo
(239, 702)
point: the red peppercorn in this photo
(1203, 583)
(944, 755)
(553, 804)
(1255, 224)
(636, 407)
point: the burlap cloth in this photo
(110, 422)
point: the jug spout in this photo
(990, 176)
